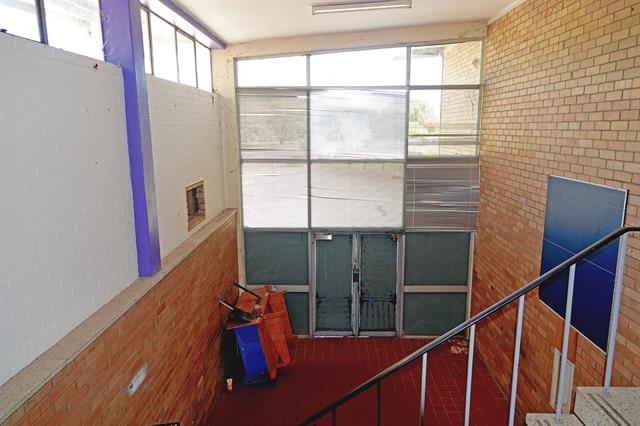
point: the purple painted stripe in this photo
(216, 41)
(122, 33)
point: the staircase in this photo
(594, 406)
(597, 407)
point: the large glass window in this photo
(275, 195)
(273, 72)
(375, 67)
(163, 39)
(449, 64)
(358, 124)
(443, 123)
(74, 25)
(273, 124)
(20, 17)
(186, 59)
(203, 59)
(356, 195)
(372, 145)
(172, 54)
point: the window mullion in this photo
(42, 21)
(175, 37)
(153, 67)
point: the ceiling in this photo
(237, 21)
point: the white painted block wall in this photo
(187, 147)
(67, 242)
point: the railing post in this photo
(615, 311)
(423, 388)
(467, 399)
(333, 417)
(565, 342)
(378, 397)
(516, 362)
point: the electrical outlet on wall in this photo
(137, 380)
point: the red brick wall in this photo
(562, 96)
(176, 329)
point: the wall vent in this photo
(195, 204)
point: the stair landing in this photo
(618, 407)
(595, 407)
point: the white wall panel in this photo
(187, 147)
(67, 242)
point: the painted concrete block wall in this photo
(187, 147)
(66, 221)
(562, 97)
(175, 328)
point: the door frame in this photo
(355, 289)
(313, 290)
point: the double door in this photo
(355, 283)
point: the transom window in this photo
(172, 54)
(72, 25)
(383, 138)
(173, 49)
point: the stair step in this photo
(618, 407)
(545, 419)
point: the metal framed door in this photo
(334, 289)
(378, 282)
(354, 280)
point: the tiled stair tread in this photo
(545, 419)
(619, 406)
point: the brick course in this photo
(176, 328)
(561, 96)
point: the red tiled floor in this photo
(327, 368)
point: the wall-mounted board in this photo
(578, 214)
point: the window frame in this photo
(41, 17)
(407, 86)
(176, 29)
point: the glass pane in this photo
(426, 65)
(186, 60)
(443, 146)
(443, 123)
(203, 55)
(457, 63)
(362, 195)
(298, 309)
(375, 67)
(358, 124)
(273, 123)
(436, 258)
(20, 17)
(74, 25)
(278, 258)
(274, 195)
(163, 37)
(146, 42)
(283, 71)
(432, 314)
(442, 194)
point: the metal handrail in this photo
(472, 321)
